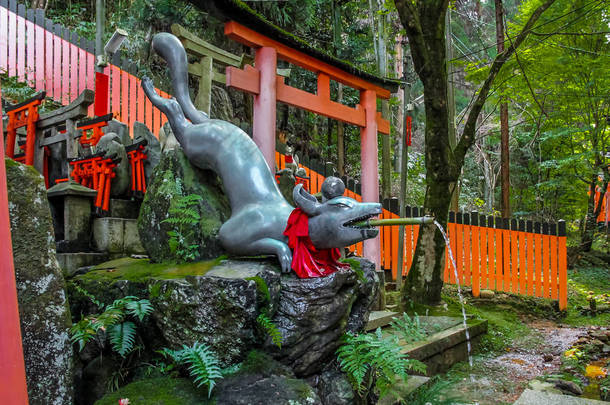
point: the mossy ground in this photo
(159, 391)
(130, 269)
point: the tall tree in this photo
(424, 23)
(504, 150)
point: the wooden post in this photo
(264, 105)
(370, 169)
(13, 388)
(203, 100)
(562, 264)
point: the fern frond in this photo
(140, 309)
(271, 329)
(122, 337)
(203, 365)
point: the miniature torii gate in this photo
(268, 88)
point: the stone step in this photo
(117, 235)
(379, 319)
(129, 209)
(413, 383)
(532, 397)
(71, 262)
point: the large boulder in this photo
(174, 178)
(44, 313)
(218, 303)
(313, 314)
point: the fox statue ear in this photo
(305, 201)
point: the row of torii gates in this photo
(267, 88)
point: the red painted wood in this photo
(65, 72)
(73, 71)
(554, 253)
(91, 79)
(132, 104)
(49, 58)
(546, 266)
(82, 70)
(30, 60)
(40, 57)
(254, 39)
(115, 91)
(467, 252)
(57, 50)
(101, 94)
(124, 96)
(12, 44)
(530, 264)
(141, 98)
(3, 39)
(506, 262)
(21, 48)
(149, 117)
(13, 388)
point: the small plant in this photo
(201, 361)
(183, 215)
(370, 358)
(409, 328)
(271, 329)
(120, 332)
(356, 268)
(264, 321)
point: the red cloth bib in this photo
(307, 261)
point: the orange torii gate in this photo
(268, 88)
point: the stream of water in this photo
(457, 281)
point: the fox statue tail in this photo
(171, 50)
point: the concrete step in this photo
(117, 235)
(531, 397)
(379, 319)
(70, 262)
(129, 209)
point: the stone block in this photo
(108, 234)
(378, 319)
(124, 208)
(131, 238)
(77, 218)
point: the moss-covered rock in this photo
(215, 302)
(44, 313)
(173, 178)
(159, 391)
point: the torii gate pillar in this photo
(370, 169)
(264, 114)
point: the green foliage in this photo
(183, 216)
(370, 356)
(409, 328)
(356, 268)
(432, 394)
(121, 332)
(201, 361)
(271, 329)
(262, 288)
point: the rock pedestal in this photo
(174, 178)
(43, 310)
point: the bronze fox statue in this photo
(259, 212)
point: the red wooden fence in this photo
(520, 257)
(52, 58)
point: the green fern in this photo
(122, 337)
(408, 328)
(120, 332)
(182, 216)
(369, 355)
(271, 329)
(201, 362)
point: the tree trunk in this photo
(504, 153)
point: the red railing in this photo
(49, 57)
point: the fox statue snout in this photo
(330, 222)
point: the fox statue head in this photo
(331, 221)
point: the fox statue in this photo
(259, 212)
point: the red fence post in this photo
(263, 131)
(13, 388)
